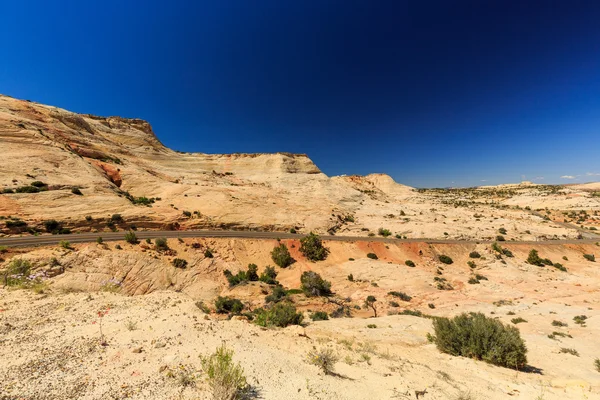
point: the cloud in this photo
(484, 180)
(539, 178)
(567, 177)
(593, 174)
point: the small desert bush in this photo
(131, 238)
(559, 323)
(312, 248)
(179, 263)
(477, 336)
(208, 253)
(116, 218)
(409, 263)
(227, 305)
(65, 244)
(597, 364)
(589, 257)
(445, 259)
(323, 358)
(502, 231)
(372, 256)
(572, 352)
(471, 264)
(314, 285)
(384, 232)
(319, 316)
(350, 277)
(281, 256)
(278, 294)
(580, 319)
(76, 191)
(52, 226)
(534, 259)
(279, 315)
(161, 244)
(401, 295)
(225, 378)
(474, 254)
(18, 272)
(268, 276)
(518, 320)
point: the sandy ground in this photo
(51, 341)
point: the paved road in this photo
(29, 241)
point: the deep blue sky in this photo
(438, 93)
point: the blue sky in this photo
(433, 93)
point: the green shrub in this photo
(472, 280)
(52, 226)
(7, 191)
(384, 232)
(471, 264)
(225, 378)
(319, 316)
(477, 336)
(278, 294)
(268, 276)
(409, 263)
(534, 258)
(27, 189)
(589, 257)
(597, 364)
(293, 231)
(118, 247)
(187, 214)
(502, 231)
(312, 248)
(99, 240)
(252, 272)
(572, 352)
(401, 295)
(279, 315)
(17, 223)
(208, 253)
(445, 259)
(351, 278)
(372, 256)
(474, 254)
(131, 238)
(76, 191)
(371, 326)
(559, 266)
(580, 319)
(116, 218)
(38, 184)
(179, 263)
(227, 305)
(394, 304)
(88, 218)
(18, 272)
(161, 244)
(500, 238)
(281, 256)
(314, 285)
(559, 323)
(65, 244)
(324, 358)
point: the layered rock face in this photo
(121, 167)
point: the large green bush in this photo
(281, 256)
(268, 276)
(535, 259)
(477, 336)
(314, 285)
(281, 314)
(312, 248)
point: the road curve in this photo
(44, 240)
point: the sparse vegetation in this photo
(580, 319)
(76, 191)
(401, 295)
(228, 305)
(268, 276)
(518, 320)
(314, 285)
(370, 303)
(179, 263)
(559, 323)
(161, 244)
(477, 336)
(280, 315)
(445, 259)
(323, 358)
(225, 378)
(372, 256)
(131, 238)
(208, 253)
(312, 248)
(281, 256)
(474, 254)
(572, 352)
(409, 263)
(384, 232)
(590, 257)
(319, 316)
